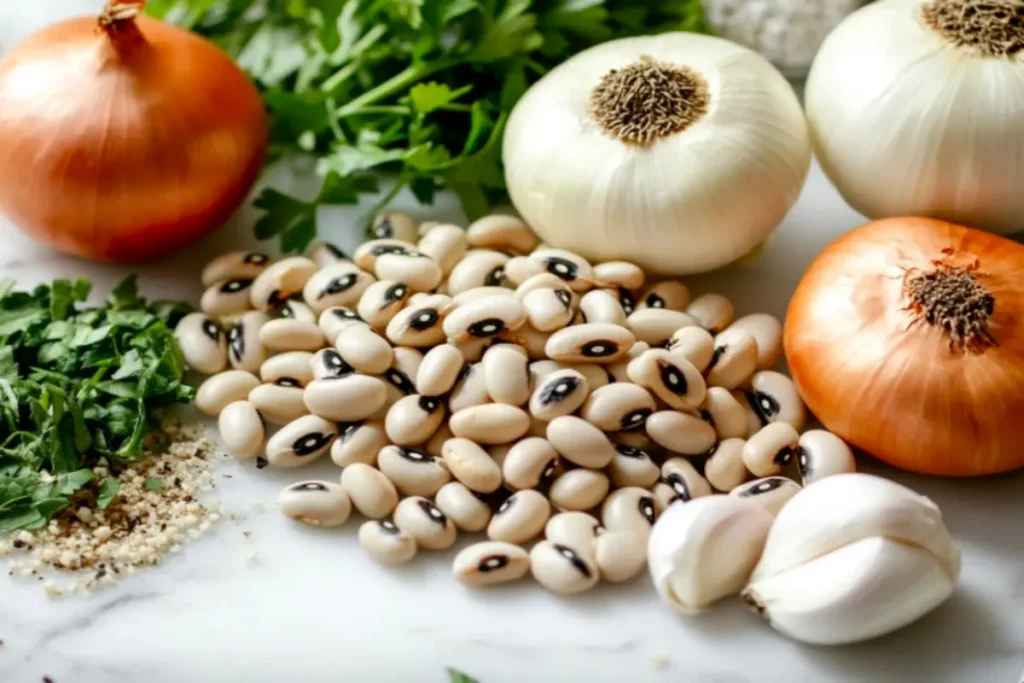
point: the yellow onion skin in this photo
(125, 143)
(892, 387)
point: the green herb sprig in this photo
(420, 88)
(78, 384)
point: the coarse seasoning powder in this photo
(156, 510)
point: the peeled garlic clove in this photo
(821, 454)
(862, 590)
(846, 508)
(704, 550)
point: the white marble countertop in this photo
(313, 607)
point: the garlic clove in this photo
(846, 508)
(704, 550)
(863, 590)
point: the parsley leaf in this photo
(455, 676)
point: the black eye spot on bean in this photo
(394, 294)
(564, 297)
(629, 451)
(673, 379)
(388, 527)
(599, 348)
(384, 228)
(311, 443)
(335, 364)
(486, 328)
(803, 461)
(334, 251)
(381, 249)
(255, 258)
(463, 373)
(309, 486)
(654, 301)
(764, 405)
(233, 286)
(413, 455)
(345, 314)
(339, 284)
(646, 507)
(784, 456)
(429, 404)
(236, 341)
(679, 486)
(563, 268)
(762, 487)
(549, 471)
(261, 463)
(635, 418)
(626, 301)
(433, 512)
(424, 319)
(288, 382)
(495, 278)
(559, 390)
(412, 253)
(277, 298)
(211, 330)
(574, 559)
(401, 381)
(492, 563)
(716, 356)
(348, 430)
(504, 507)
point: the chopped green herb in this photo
(77, 384)
(417, 88)
(153, 484)
(459, 677)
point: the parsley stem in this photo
(395, 84)
(375, 109)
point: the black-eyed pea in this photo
(519, 269)
(396, 225)
(386, 543)
(771, 493)
(767, 332)
(425, 522)
(479, 268)
(382, 301)
(602, 306)
(227, 297)
(481, 292)
(734, 360)
(246, 349)
(278, 404)
(412, 471)
(471, 464)
(541, 368)
(301, 441)
(280, 281)
(822, 454)
(630, 509)
(545, 280)
(558, 393)
(620, 555)
(365, 350)
(632, 467)
(579, 490)
(341, 284)
(328, 364)
(484, 318)
(724, 468)
(639, 440)
(296, 310)
(533, 341)
(713, 312)
(580, 442)
(371, 492)
(289, 369)
(414, 268)
(470, 389)
(596, 375)
(684, 479)
(317, 503)
(223, 388)
(368, 252)
(771, 450)
(672, 379)
(288, 334)
(614, 274)
(359, 442)
(490, 423)
(346, 399)
(600, 343)
(626, 300)
(203, 343)
(669, 294)
(529, 463)
(520, 518)
(725, 413)
(657, 325)
(774, 398)
(337, 318)
(506, 374)
(695, 344)
(575, 270)
(499, 452)
(439, 370)
(435, 444)
(241, 429)
(473, 350)
(420, 324)
(445, 244)
(234, 265)
(577, 530)
(414, 419)
(562, 569)
(548, 309)
(490, 563)
(466, 510)
(504, 233)
(617, 406)
(681, 432)
(324, 254)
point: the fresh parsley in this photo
(78, 384)
(455, 676)
(418, 88)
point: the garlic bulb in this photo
(704, 550)
(917, 109)
(853, 557)
(679, 152)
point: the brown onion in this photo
(906, 338)
(124, 138)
